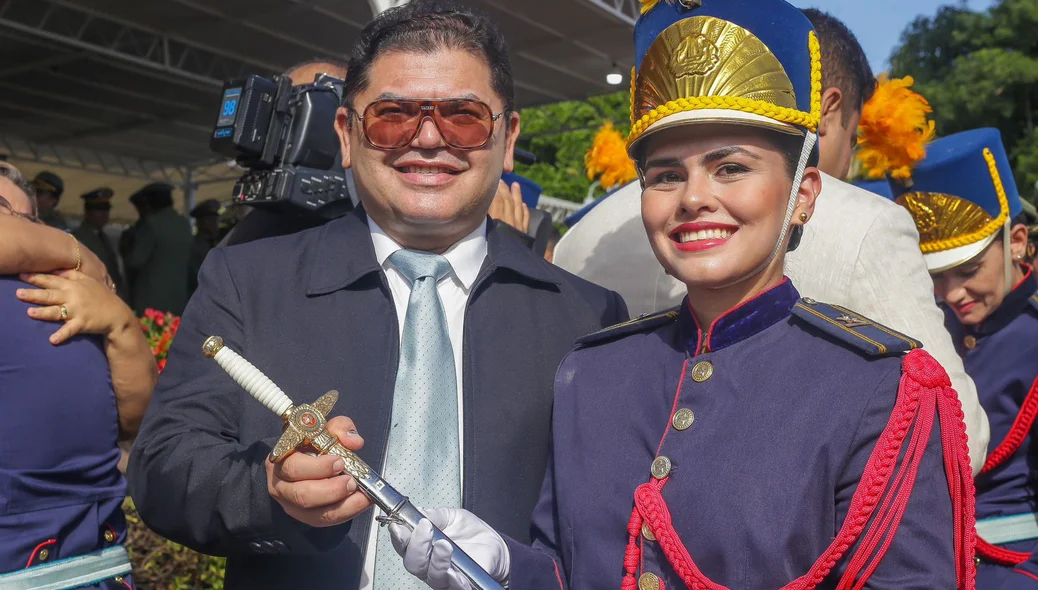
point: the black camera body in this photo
(283, 135)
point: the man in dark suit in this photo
(447, 373)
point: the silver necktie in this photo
(423, 455)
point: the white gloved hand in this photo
(431, 562)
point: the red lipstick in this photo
(701, 235)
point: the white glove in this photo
(431, 562)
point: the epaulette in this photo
(641, 323)
(1034, 301)
(854, 329)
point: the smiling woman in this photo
(834, 452)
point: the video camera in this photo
(283, 135)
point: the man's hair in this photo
(336, 64)
(18, 179)
(426, 26)
(844, 65)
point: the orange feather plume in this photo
(894, 129)
(608, 159)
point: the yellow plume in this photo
(608, 159)
(894, 129)
(648, 5)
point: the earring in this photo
(803, 217)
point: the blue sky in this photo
(878, 23)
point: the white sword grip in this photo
(253, 380)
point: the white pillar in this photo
(378, 6)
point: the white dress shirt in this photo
(859, 250)
(466, 259)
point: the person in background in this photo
(140, 205)
(49, 188)
(860, 251)
(1031, 217)
(160, 253)
(442, 332)
(207, 236)
(553, 240)
(97, 205)
(973, 234)
(261, 223)
(69, 397)
(760, 437)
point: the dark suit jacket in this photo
(313, 311)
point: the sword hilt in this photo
(247, 376)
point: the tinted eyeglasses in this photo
(463, 123)
(5, 205)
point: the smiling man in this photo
(441, 332)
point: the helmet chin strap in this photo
(791, 205)
(1008, 257)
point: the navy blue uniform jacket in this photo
(1003, 362)
(60, 488)
(314, 312)
(766, 423)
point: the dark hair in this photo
(791, 146)
(425, 26)
(844, 64)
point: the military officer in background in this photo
(973, 236)
(161, 247)
(207, 236)
(49, 187)
(97, 205)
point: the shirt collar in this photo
(1013, 305)
(739, 323)
(465, 256)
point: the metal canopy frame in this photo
(67, 31)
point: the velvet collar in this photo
(739, 323)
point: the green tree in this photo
(980, 69)
(560, 134)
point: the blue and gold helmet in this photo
(960, 196)
(750, 62)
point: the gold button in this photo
(649, 582)
(683, 419)
(661, 467)
(970, 342)
(647, 533)
(809, 301)
(44, 554)
(109, 536)
(702, 371)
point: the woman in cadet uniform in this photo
(749, 439)
(974, 239)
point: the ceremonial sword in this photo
(305, 424)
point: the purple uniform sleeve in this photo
(539, 567)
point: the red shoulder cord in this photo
(925, 393)
(1006, 449)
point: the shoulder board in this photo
(854, 329)
(642, 323)
(1034, 301)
